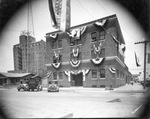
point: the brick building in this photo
(89, 55)
(29, 55)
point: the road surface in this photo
(71, 104)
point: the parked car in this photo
(53, 86)
(34, 84)
(23, 87)
(147, 83)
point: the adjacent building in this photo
(29, 55)
(89, 55)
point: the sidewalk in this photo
(136, 87)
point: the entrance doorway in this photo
(77, 80)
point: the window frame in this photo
(101, 73)
(93, 76)
(60, 76)
(54, 75)
(102, 35)
(93, 36)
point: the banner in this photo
(60, 14)
(137, 60)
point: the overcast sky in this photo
(82, 11)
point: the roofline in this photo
(84, 24)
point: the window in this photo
(102, 35)
(117, 73)
(94, 73)
(102, 73)
(55, 75)
(59, 43)
(60, 75)
(54, 44)
(148, 58)
(102, 53)
(74, 41)
(93, 36)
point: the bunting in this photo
(97, 49)
(54, 35)
(75, 63)
(101, 23)
(48, 74)
(56, 65)
(76, 33)
(97, 61)
(112, 70)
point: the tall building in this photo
(89, 55)
(29, 55)
(17, 57)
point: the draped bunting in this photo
(75, 63)
(97, 61)
(53, 35)
(76, 33)
(56, 65)
(112, 70)
(84, 71)
(75, 53)
(97, 49)
(101, 23)
(76, 72)
(121, 47)
(57, 58)
(48, 74)
(57, 55)
(68, 74)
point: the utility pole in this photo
(145, 46)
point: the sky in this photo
(82, 11)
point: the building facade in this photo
(29, 55)
(148, 61)
(89, 55)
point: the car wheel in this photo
(18, 89)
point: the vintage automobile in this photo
(53, 86)
(34, 84)
(23, 86)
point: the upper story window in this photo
(102, 73)
(60, 43)
(101, 35)
(56, 44)
(60, 75)
(94, 73)
(74, 41)
(55, 75)
(93, 36)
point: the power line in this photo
(85, 8)
(103, 7)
